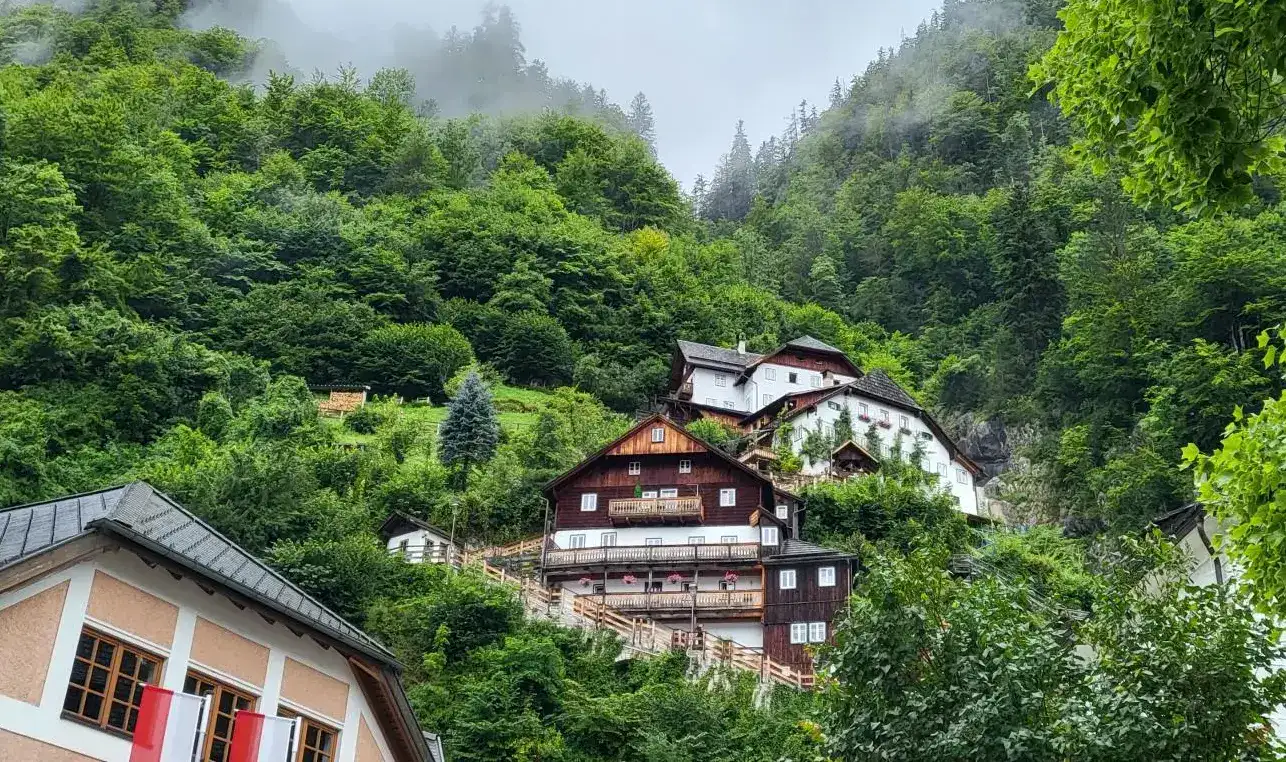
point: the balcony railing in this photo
(652, 554)
(723, 600)
(655, 508)
(430, 554)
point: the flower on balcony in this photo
(730, 577)
(629, 579)
(674, 578)
(885, 425)
(584, 581)
(864, 418)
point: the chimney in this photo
(741, 346)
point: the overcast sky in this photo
(704, 64)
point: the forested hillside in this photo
(936, 205)
(187, 242)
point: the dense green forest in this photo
(183, 249)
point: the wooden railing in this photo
(655, 508)
(529, 545)
(428, 554)
(680, 601)
(644, 554)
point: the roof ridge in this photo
(60, 498)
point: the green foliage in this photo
(414, 360)
(879, 508)
(1187, 96)
(717, 433)
(365, 420)
(470, 432)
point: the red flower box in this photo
(674, 579)
(864, 418)
(629, 579)
(885, 425)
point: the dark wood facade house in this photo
(805, 587)
(686, 521)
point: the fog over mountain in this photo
(702, 65)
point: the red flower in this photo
(584, 581)
(629, 579)
(674, 578)
(730, 577)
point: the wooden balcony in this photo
(685, 390)
(678, 603)
(653, 554)
(656, 508)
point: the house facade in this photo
(662, 526)
(105, 592)
(418, 541)
(804, 387)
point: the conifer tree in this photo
(471, 431)
(837, 94)
(733, 189)
(844, 427)
(641, 122)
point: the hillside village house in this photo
(663, 526)
(104, 592)
(418, 541)
(806, 384)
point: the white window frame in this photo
(798, 633)
(589, 501)
(658, 434)
(960, 476)
(697, 539)
(787, 579)
(814, 381)
(720, 379)
(816, 632)
(729, 404)
(865, 408)
(728, 497)
(636, 467)
(767, 400)
(826, 576)
(652, 542)
(768, 535)
(783, 512)
(729, 539)
(884, 416)
(711, 402)
(668, 492)
(650, 494)
(685, 466)
(770, 373)
(576, 541)
(607, 540)
(942, 470)
(904, 422)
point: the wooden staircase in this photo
(639, 635)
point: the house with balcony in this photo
(418, 541)
(802, 388)
(663, 526)
(106, 592)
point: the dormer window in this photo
(658, 433)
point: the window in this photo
(783, 512)
(833, 405)
(107, 679)
(697, 539)
(767, 400)
(792, 377)
(402, 546)
(815, 381)
(685, 466)
(728, 497)
(589, 501)
(225, 702)
(786, 579)
(649, 494)
(607, 540)
(942, 470)
(904, 422)
(636, 468)
(652, 541)
(816, 632)
(727, 584)
(884, 415)
(865, 408)
(729, 404)
(658, 433)
(317, 742)
(799, 632)
(728, 539)
(770, 374)
(670, 492)
(768, 536)
(826, 576)
(720, 380)
(576, 541)
(961, 477)
(711, 401)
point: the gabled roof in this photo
(800, 550)
(1180, 521)
(817, 345)
(805, 344)
(648, 421)
(139, 513)
(398, 519)
(850, 445)
(707, 354)
(877, 384)
(139, 516)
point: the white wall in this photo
(44, 723)
(760, 384)
(707, 582)
(417, 541)
(706, 391)
(670, 535)
(823, 417)
(748, 634)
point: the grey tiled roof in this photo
(793, 548)
(707, 353)
(808, 342)
(141, 514)
(877, 384)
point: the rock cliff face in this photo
(1015, 488)
(986, 443)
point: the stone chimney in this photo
(741, 346)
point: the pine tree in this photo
(837, 94)
(640, 121)
(698, 195)
(824, 283)
(1031, 295)
(733, 189)
(471, 431)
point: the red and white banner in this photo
(167, 727)
(259, 738)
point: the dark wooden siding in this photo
(777, 646)
(815, 362)
(611, 480)
(807, 602)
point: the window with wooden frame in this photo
(317, 742)
(636, 467)
(685, 466)
(225, 702)
(107, 680)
